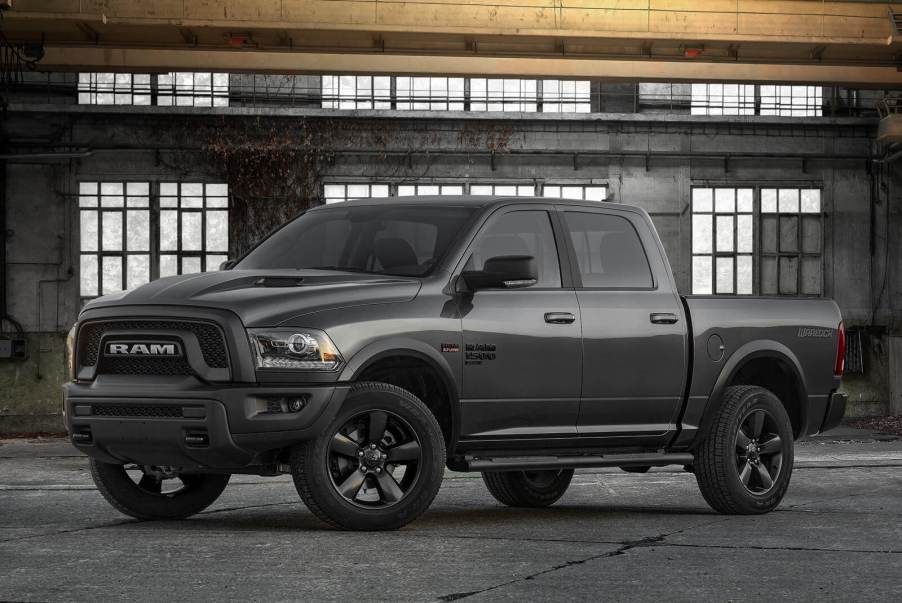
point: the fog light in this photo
(295, 404)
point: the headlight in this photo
(70, 352)
(294, 349)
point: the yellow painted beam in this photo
(148, 60)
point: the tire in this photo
(527, 488)
(150, 498)
(744, 464)
(346, 477)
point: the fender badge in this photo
(450, 348)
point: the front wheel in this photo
(527, 488)
(745, 462)
(378, 466)
(150, 492)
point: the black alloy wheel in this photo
(759, 451)
(374, 459)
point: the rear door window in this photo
(608, 250)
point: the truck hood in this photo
(267, 298)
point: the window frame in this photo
(153, 208)
(576, 276)
(757, 234)
(800, 255)
(560, 245)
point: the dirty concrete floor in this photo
(613, 536)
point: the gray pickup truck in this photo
(366, 346)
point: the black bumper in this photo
(221, 428)
(836, 409)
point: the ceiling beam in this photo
(150, 60)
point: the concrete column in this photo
(895, 375)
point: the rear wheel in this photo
(528, 488)
(378, 466)
(150, 492)
(744, 464)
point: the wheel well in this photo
(779, 377)
(421, 379)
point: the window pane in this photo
(168, 265)
(89, 230)
(112, 274)
(724, 275)
(217, 231)
(138, 233)
(811, 200)
(480, 189)
(789, 200)
(88, 275)
(725, 233)
(190, 265)
(768, 200)
(744, 233)
(112, 230)
(744, 200)
(213, 262)
(169, 230)
(701, 275)
(724, 200)
(407, 190)
(744, 275)
(702, 200)
(191, 232)
(608, 250)
(520, 233)
(702, 233)
(138, 270)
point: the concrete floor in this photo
(614, 536)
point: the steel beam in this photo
(149, 60)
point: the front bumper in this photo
(219, 428)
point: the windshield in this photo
(402, 240)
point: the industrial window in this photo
(118, 222)
(333, 193)
(508, 190)
(113, 89)
(566, 96)
(356, 92)
(792, 101)
(114, 222)
(430, 93)
(723, 99)
(193, 89)
(583, 192)
(194, 227)
(408, 190)
(791, 254)
(722, 240)
(502, 95)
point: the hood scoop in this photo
(279, 281)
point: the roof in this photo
(478, 201)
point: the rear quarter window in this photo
(608, 250)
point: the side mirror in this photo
(504, 272)
(227, 265)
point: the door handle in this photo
(559, 318)
(663, 318)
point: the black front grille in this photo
(111, 410)
(138, 365)
(209, 336)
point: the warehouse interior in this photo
(146, 139)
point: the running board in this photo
(534, 463)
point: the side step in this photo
(534, 463)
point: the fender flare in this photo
(760, 348)
(373, 352)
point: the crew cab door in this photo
(633, 326)
(521, 373)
